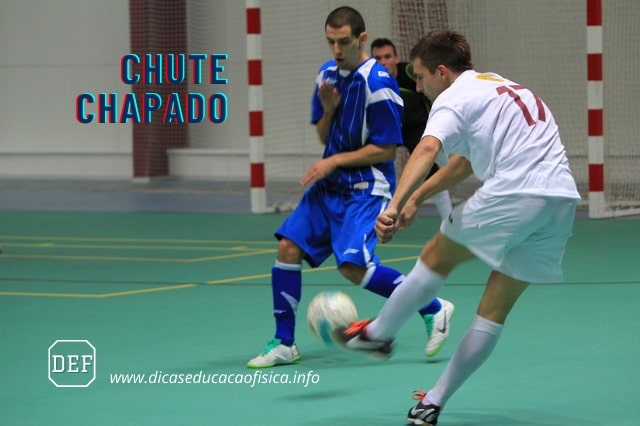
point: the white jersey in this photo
(506, 132)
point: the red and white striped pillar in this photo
(256, 116)
(597, 204)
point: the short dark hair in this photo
(346, 15)
(382, 42)
(443, 47)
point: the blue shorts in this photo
(326, 222)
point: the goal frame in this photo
(598, 206)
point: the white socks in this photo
(473, 350)
(419, 287)
(442, 200)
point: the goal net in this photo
(540, 44)
(543, 45)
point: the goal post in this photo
(612, 193)
(255, 116)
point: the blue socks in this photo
(431, 308)
(382, 280)
(286, 285)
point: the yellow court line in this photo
(400, 259)
(105, 258)
(149, 290)
(175, 287)
(236, 279)
(96, 296)
(45, 239)
(231, 256)
(144, 240)
(51, 245)
(137, 259)
(304, 271)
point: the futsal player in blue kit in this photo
(357, 110)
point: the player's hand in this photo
(329, 97)
(407, 215)
(319, 170)
(386, 225)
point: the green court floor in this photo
(177, 295)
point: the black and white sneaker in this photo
(421, 414)
(354, 337)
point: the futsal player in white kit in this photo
(518, 221)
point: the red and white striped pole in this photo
(595, 104)
(256, 117)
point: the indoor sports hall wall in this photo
(52, 51)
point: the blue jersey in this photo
(370, 111)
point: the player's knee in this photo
(442, 254)
(432, 257)
(352, 272)
(289, 252)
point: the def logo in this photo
(72, 363)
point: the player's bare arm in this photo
(457, 170)
(365, 156)
(415, 170)
(330, 99)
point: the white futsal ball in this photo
(329, 310)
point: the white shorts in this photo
(521, 236)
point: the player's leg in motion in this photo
(383, 280)
(356, 248)
(422, 283)
(303, 235)
(286, 286)
(474, 349)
